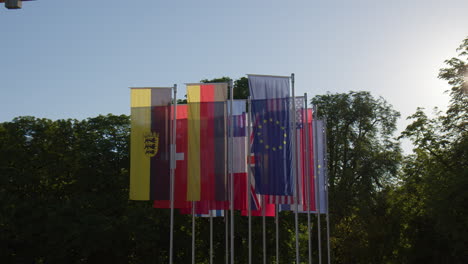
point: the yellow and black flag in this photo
(150, 143)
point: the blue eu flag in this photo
(272, 143)
(271, 146)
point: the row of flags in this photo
(214, 139)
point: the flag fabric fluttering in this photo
(204, 213)
(272, 139)
(239, 161)
(150, 143)
(301, 162)
(207, 142)
(202, 149)
(212, 213)
(321, 160)
(180, 186)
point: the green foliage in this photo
(64, 193)
(64, 189)
(435, 178)
(363, 160)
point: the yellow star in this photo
(284, 142)
(277, 122)
(264, 121)
(273, 148)
(267, 147)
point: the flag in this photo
(239, 160)
(150, 143)
(258, 209)
(256, 203)
(180, 173)
(301, 162)
(321, 160)
(319, 157)
(181, 185)
(207, 140)
(272, 144)
(306, 166)
(181, 182)
(214, 213)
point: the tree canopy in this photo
(64, 188)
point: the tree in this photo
(64, 193)
(435, 179)
(363, 160)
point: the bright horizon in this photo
(76, 59)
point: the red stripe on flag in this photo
(180, 187)
(207, 145)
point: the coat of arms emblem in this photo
(151, 144)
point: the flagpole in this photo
(172, 172)
(263, 229)
(226, 232)
(249, 175)
(307, 175)
(317, 195)
(277, 232)
(231, 175)
(325, 167)
(193, 232)
(295, 168)
(211, 236)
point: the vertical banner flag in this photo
(207, 142)
(320, 159)
(304, 165)
(150, 143)
(307, 166)
(272, 142)
(239, 152)
(180, 186)
(301, 162)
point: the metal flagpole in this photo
(296, 198)
(277, 232)
(263, 229)
(317, 195)
(249, 175)
(328, 234)
(325, 167)
(231, 175)
(307, 175)
(193, 232)
(226, 225)
(211, 236)
(172, 173)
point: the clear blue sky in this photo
(76, 59)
